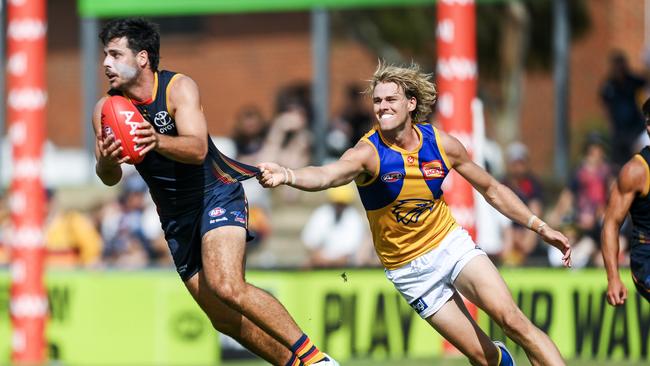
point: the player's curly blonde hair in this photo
(413, 82)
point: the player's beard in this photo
(128, 74)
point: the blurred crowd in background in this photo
(330, 230)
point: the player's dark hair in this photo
(140, 33)
(646, 108)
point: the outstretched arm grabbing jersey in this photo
(360, 163)
(356, 163)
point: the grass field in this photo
(441, 362)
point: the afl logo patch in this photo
(216, 212)
(410, 159)
(162, 119)
(392, 177)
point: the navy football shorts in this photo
(640, 266)
(225, 206)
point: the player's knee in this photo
(229, 294)
(514, 323)
(228, 291)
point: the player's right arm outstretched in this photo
(107, 151)
(356, 162)
(631, 181)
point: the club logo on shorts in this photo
(419, 305)
(216, 212)
(239, 216)
(433, 169)
(392, 177)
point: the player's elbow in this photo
(109, 177)
(198, 154)
(328, 179)
(109, 180)
(494, 191)
(198, 157)
(610, 228)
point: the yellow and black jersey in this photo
(404, 204)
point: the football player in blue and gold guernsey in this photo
(399, 167)
(198, 195)
(630, 194)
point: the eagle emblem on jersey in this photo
(410, 210)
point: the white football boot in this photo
(330, 362)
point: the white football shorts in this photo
(427, 282)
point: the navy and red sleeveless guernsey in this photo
(640, 243)
(192, 199)
(640, 208)
(176, 187)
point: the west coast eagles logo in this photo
(410, 210)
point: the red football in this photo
(120, 118)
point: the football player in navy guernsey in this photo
(629, 195)
(399, 167)
(196, 189)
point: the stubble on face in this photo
(123, 66)
(127, 73)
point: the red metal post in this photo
(26, 98)
(456, 79)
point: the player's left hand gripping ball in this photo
(122, 119)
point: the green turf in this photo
(441, 362)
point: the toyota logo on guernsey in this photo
(392, 177)
(216, 212)
(163, 121)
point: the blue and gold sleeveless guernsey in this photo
(640, 243)
(176, 187)
(192, 199)
(404, 204)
